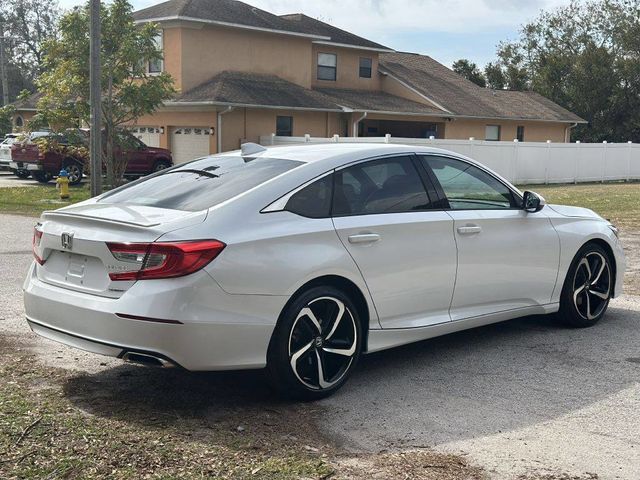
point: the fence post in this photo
(307, 138)
(630, 150)
(515, 161)
(336, 138)
(604, 161)
(273, 139)
(577, 169)
(387, 138)
(546, 163)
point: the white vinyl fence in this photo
(521, 162)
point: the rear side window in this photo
(389, 185)
(314, 200)
(201, 184)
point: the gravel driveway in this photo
(522, 397)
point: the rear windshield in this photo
(201, 184)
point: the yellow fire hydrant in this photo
(62, 184)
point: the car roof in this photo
(326, 152)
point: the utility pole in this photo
(3, 67)
(95, 98)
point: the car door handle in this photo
(364, 238)
(469, 229)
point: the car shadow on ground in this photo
(473, 383)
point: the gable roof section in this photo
(463, 98)
(337, 36)
(381, 102)
(221, 12)
(257, 90)
(29, 103)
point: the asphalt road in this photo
(8, 179)
(519, 397)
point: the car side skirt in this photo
(383, 339)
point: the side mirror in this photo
(532, 202)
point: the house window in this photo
(520, 133)
(156, 66)
(327, 66)
(492, 133)
(284, 126)
(365, 67)
(19, 121)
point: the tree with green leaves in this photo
(470, 71)
(26, 25)
(586, 57)
(128, 90)
(6, 120)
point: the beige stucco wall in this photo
(209, 50)
(246, 124)
(348, 68)
(26, 116)
(533, 131)
(172, 54)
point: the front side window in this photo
(389, 185)
(365, 67)
(314, 200)
(327, 66)
(200, 184)
(284, 126)
(467, 187)
(155, 66)
(492, 133)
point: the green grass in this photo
(618, 202)
(33, 200)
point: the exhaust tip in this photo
(146, 359)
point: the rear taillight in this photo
(37, 237)
(163, 259)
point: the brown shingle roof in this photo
(29, 103)
(375, 101)
(240, 88)
(222, 11)
(307, 24)
(464, 98)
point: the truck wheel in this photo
(42, 177)
(21, 173)
(75, 173)
(161, 165)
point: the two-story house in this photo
(243, 72)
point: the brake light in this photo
(37, 237)
(163, 259)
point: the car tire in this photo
(588, 287)
(75, 171)
(161, 165)
(316, 344)
(42, 177)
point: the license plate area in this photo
(77, 271)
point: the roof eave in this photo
(352, 46)
(229, 24)
(213, 103)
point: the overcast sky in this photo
(444, 29)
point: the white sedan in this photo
(300, 259)
(5, 150)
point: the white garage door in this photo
(150, 136)
(188, 143)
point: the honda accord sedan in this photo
(301, 259)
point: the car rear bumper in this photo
(215, 330)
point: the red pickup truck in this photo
(43, 166)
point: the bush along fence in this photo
(520, 162)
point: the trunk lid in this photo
(74, 241)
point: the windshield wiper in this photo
(197, 172)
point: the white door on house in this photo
(150, 136)
(189, 143)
